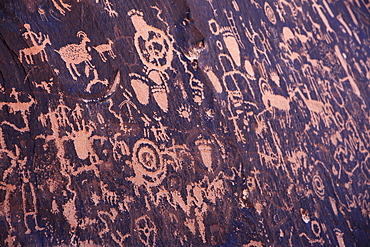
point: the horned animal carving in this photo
(27, 53)
(105, 48)
(74, 54)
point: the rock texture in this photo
(184, 123)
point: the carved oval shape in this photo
(141, 90)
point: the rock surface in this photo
(184, 123)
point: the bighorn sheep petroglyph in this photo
(74, 54)
(105, 48)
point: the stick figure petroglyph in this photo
(27, 189)
(108, 6)
(42, 14)
(31, 35)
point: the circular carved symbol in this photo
(147, 157)
(318, 186)
(315, 227)
(148, 162)
(270, 13)
(156, 50)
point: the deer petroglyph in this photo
(105, 48)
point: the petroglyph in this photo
(229, 123)
(230, 36)
(96, 80)
(319, 9)
(18, 106)
(272, 100)
(74, 54)
(146, 230)
(108, 6)
(61, 6)
(185, 112)
(147, 163)
(105, 48)
(38, 46)
(42, 14)
(155, 50)
(269, 12)
(44, 85)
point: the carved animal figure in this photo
(74, 54)
(105, 48)
(27, 53)
(61, 6)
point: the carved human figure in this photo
(39, 43)
(31, 35)
(108, 6)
